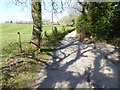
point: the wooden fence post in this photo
(20, 41)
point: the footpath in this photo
(75, 64)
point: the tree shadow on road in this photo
(57, 74)
(105, 73)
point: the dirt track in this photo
(78, 65)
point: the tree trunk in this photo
(37, 24)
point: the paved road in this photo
(78, 65)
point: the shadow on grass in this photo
(46, 50)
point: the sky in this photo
(9, 11)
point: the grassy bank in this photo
(19, 70)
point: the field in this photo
(9, 32)
(10, 37)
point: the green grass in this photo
(10, 36)
(9, 32)
(22, 74)
(10, 44)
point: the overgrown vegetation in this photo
(100, 20)
(21, 69)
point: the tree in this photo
(69, 19)
(100, 19)
(37, 19)
(37, 24)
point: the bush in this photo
(102, 20)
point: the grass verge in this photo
(19, 70)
